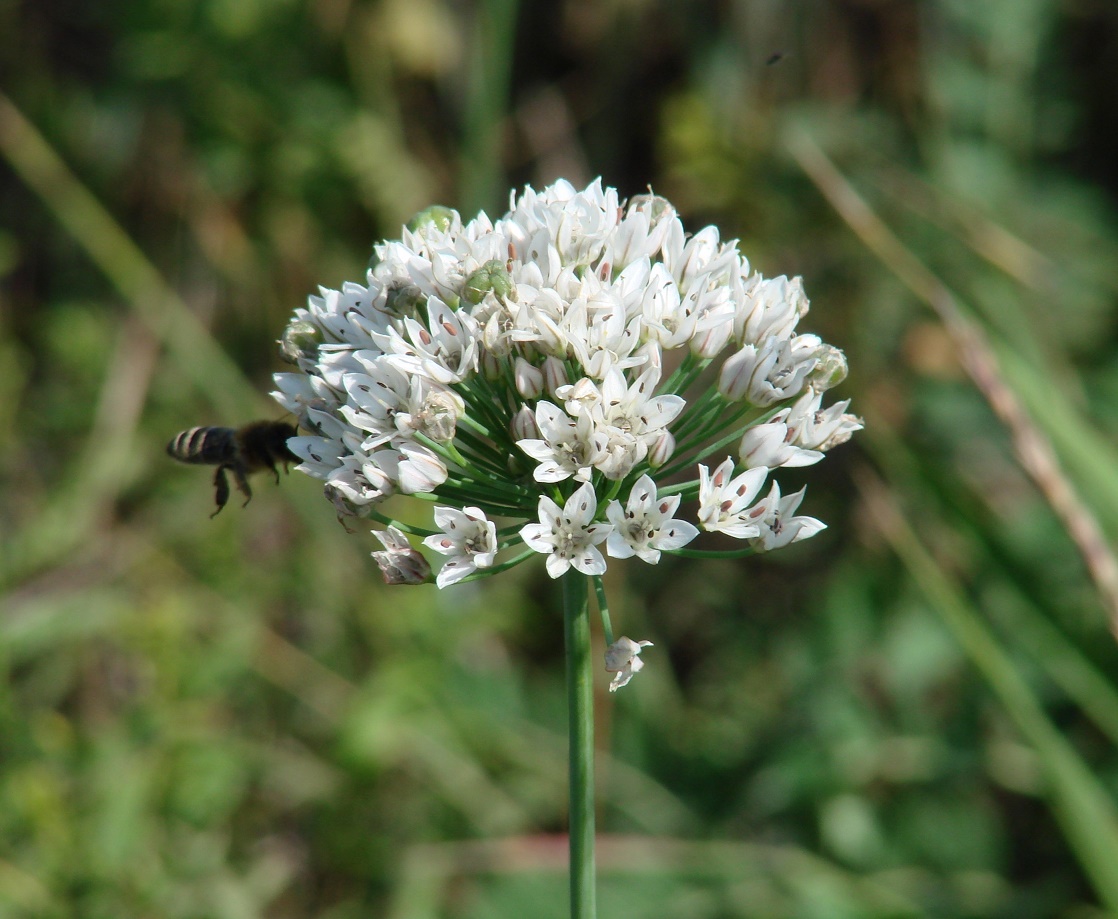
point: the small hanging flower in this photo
(623, 660)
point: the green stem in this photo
(603, 609)
(497, 569)
(580, 706)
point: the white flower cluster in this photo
(548, 367)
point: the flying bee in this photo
(258, 445)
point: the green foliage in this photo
(914, 714)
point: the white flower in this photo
(320, 455)
(378, 396)
(469, 539)
(484, 361)
(623, 660)
(816, 428)
(628, 419)
(635, 409)
(770, 445)
(777, 526)
(645, 526)
(568, 535)
(667, 318)
(445, 350)
(772, 308)
(723, 501)
(568, 446)
(420, 470)
(770, 372)
(364, 480)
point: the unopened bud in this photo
(528, 378)
(554, 374)
(737, 372)
(438, 419)
(492, 276)
(491, 366)
(655, 206)
(830, 369)
(662, 450)
(399, 562)
(524, 425)
(437, 216)
(710, 341)
(300, 340)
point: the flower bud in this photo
(437, 216)
(656, 206)
(830, 369)
(492, 276)
(300, 340)
(662, 450)
(554, 374)
(528, 378)
(491, 366)
(713, 330)
(737, 373)
(524, 425)
(438, 419)
(420, 471)
(399, 562)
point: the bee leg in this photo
(221, 490)
(242, 483)
(275, 471)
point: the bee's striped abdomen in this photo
(203, 445)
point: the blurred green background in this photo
(913, 714)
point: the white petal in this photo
(557, 566)
(618, 547)
(453, 572)
(538, 536)
(549, 512)
(581, 505)
(678, 534)
(588, 561)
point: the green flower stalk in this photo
(534, 377)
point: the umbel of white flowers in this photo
(567, 370)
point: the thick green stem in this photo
(580, 706)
